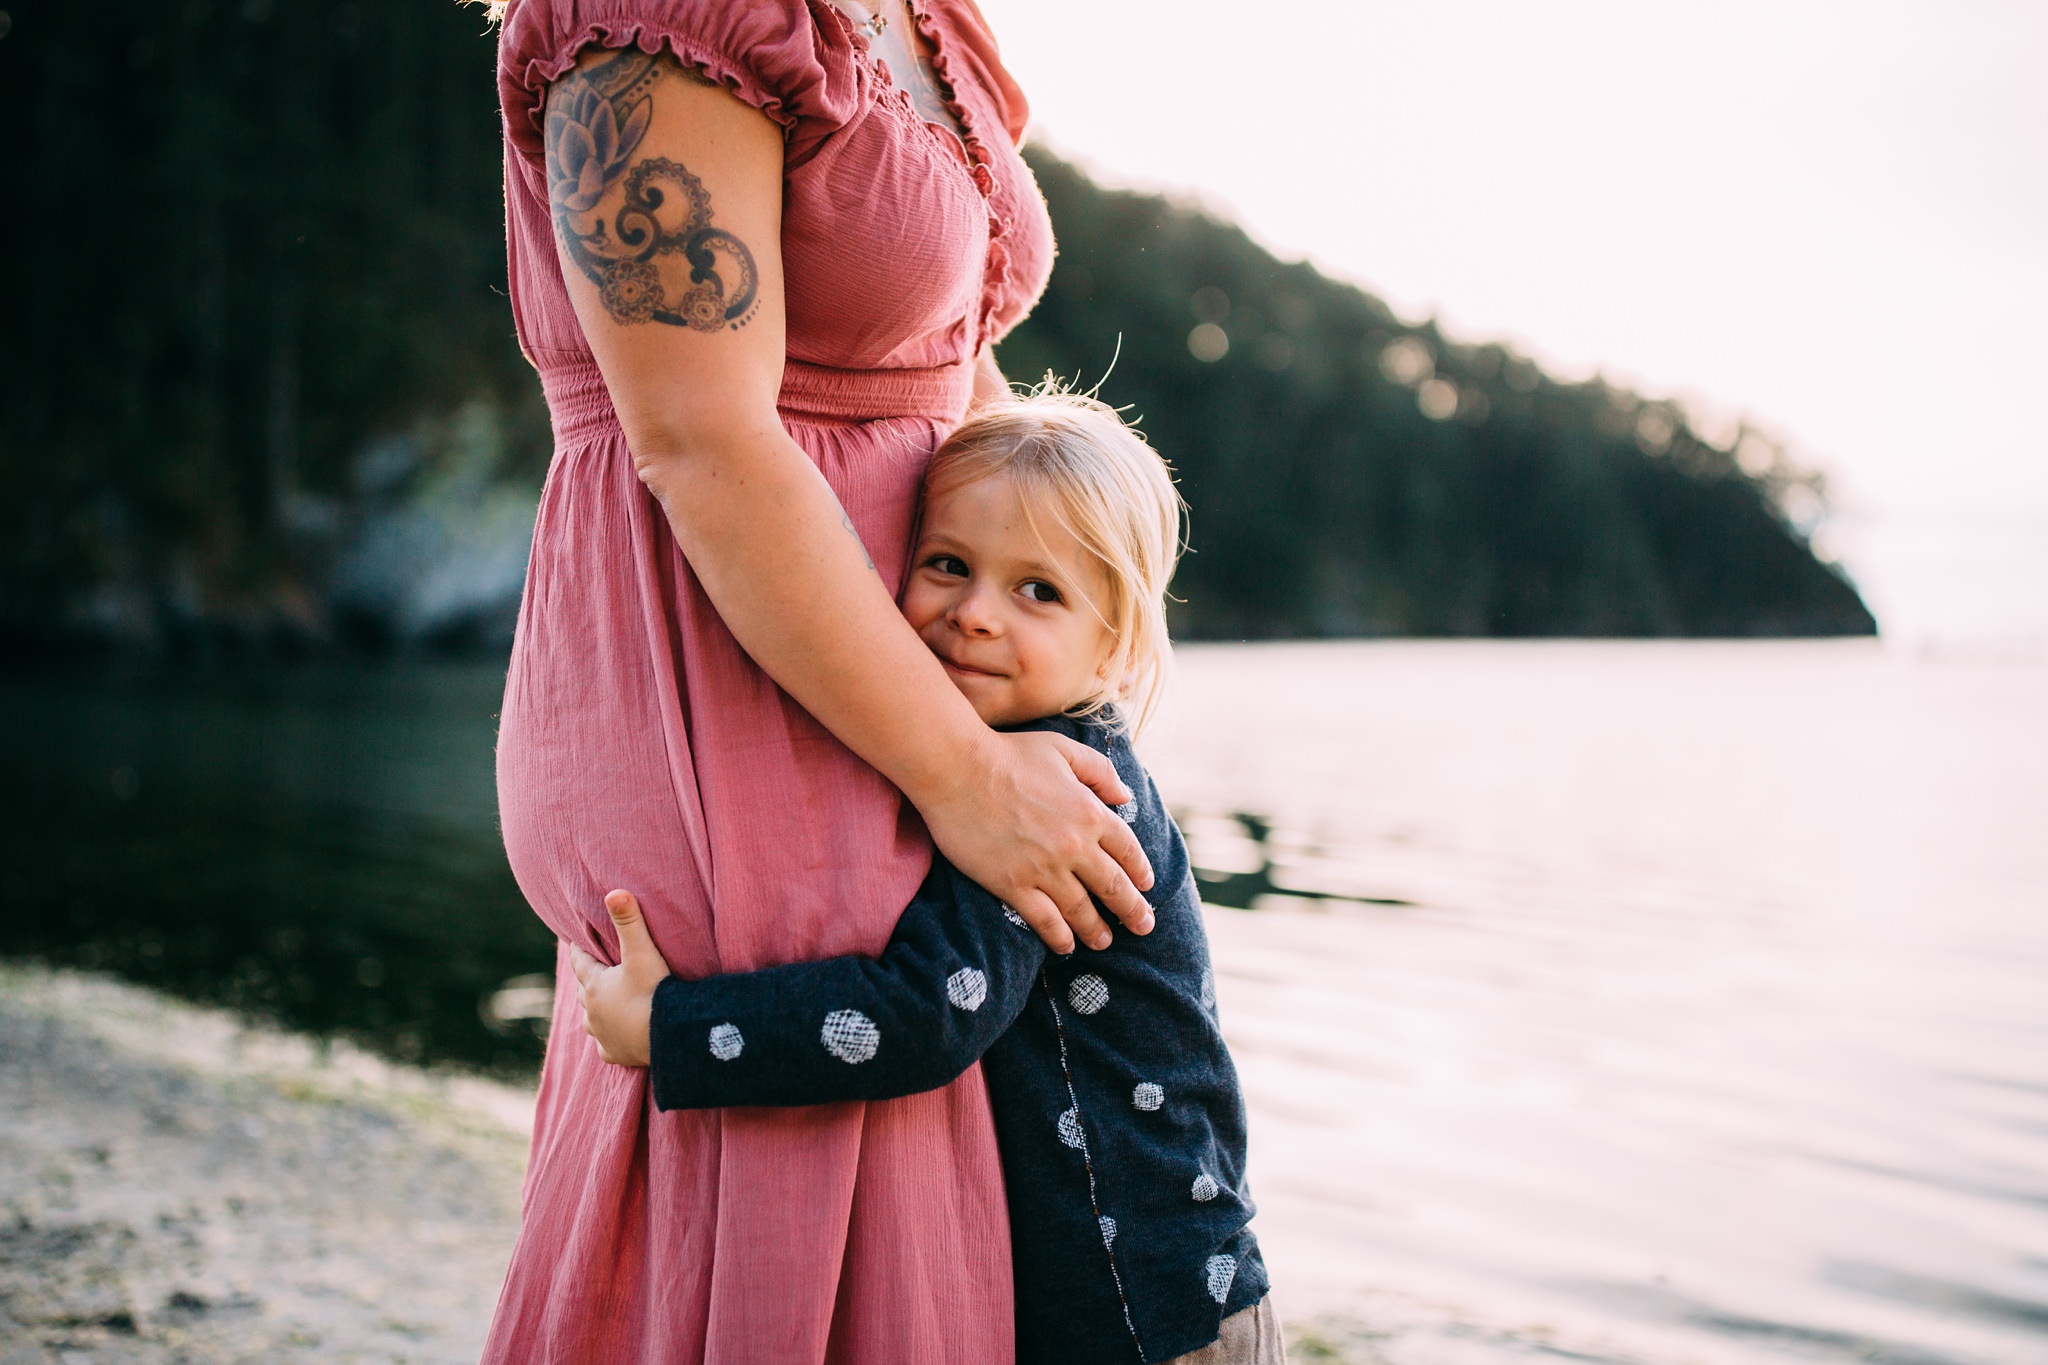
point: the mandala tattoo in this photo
(639, 229)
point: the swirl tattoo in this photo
(655, 257)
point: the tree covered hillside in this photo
(1349, 474)
(261, 388)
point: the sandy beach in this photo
(177, 1186)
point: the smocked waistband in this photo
(821, 391)
(580, 405)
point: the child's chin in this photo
(994, 710)
(992, 714)
(990, 709)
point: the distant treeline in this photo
(261, 386)
(1352, 474)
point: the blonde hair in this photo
(1112, 492)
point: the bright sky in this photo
(1831, 218)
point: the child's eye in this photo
(952, 566)
(1038, 590)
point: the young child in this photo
(1048, 535)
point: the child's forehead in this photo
(990, 507)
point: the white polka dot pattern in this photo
(1208, 989)
(726, 1042)
(1070, 1130)
(1147, 1097)
(1088, 993)
(850, 1036)
(1205, 1188)
(1108, 1230)
(1219, 1271)
(967, 988)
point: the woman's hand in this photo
(618, 1002)
(1020, 825)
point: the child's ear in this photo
(1118, 687)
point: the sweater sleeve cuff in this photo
(673, 1044)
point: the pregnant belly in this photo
(639, 747)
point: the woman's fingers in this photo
(1045, 919)
(1104, 870)
(1102, 874)
(1098, 774)
(1079, 912)
(585, 966)
(1094, 769)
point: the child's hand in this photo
(618, 1001)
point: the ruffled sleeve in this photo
(780, 56)
(976, 45)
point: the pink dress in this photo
(640, 747)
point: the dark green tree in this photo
(247, 237)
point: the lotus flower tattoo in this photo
(656, 258)
(588, 147)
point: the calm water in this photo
(319, 847)
(1620, 1002)
(1710, 1021)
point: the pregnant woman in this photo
(759, 252)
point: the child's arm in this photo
(956, 973)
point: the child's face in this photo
(1012, 614)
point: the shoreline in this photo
(178, 1184)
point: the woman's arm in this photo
(691, 342)
(989, 384)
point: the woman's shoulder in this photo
(975, 44)
(791, 59)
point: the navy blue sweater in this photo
(1116, 1105)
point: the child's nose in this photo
(973, 612)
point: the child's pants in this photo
(1251, 1336)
